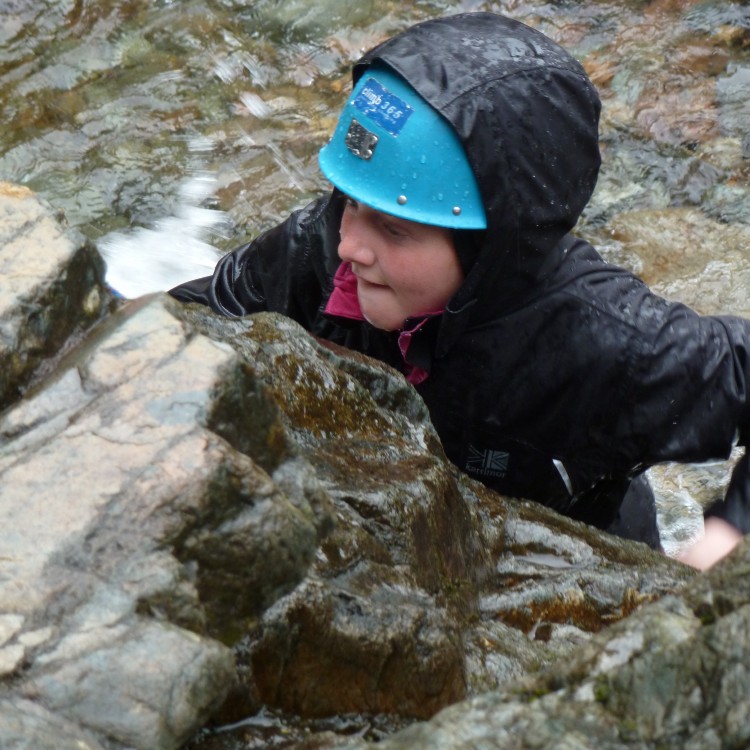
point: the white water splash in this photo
(175, 249)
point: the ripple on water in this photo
(45, 160)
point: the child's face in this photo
(403, 269)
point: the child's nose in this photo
(354, 247)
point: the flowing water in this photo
(168, 131)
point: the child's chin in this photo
(379, 314)
(382, 325)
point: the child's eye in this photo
(394, 230)
(351, 204)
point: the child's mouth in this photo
(373, 284)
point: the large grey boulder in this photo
(131, 534)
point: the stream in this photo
(167, 132)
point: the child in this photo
(463, 158)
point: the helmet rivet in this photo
(456, 210)
(401, 200)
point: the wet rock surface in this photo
(50, 287)
(207, 519)
(674, 674)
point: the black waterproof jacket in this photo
(553, 375)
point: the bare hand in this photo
(718, 540)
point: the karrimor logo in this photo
(487, 462)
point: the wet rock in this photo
(51, 288)
(732, 92)
(677, 116)
(429, 586)
(683, 492)
(685, 255)
(26, 724)
(138, 534)
(672, 76)
(380, 648)
(202, 517)
(144, 684)
(673, 675)
(134, 537)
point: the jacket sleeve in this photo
(288, 269)
(692, 402)
(735, 506)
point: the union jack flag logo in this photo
(487, 461)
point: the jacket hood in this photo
(528, 118)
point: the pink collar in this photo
(343, 303)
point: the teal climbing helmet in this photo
(393, 152)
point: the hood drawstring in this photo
(415, 375)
